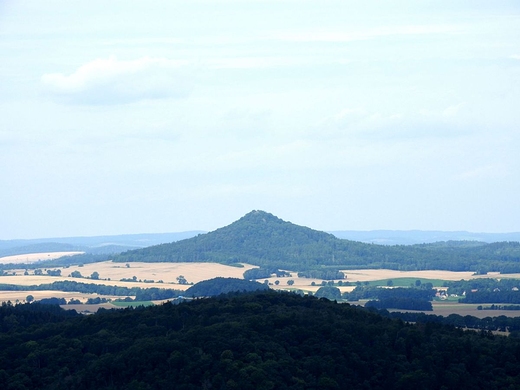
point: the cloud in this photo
(110, 81)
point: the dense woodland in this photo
(263, 340)
(264, 240)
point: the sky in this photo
(129, 116)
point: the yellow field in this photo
(167, 272)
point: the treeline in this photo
(491, 297)
(486, 290)
(262, 273)
(28, 315)
(141, 294)
(62, 301)
(461, 287)
(401, 304)
(372, 292)
(499, 307)
(264, 240)
(383, 298)
(325, 274)
(251, 341)
(393, 298)
(496, 323)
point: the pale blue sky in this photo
(130, 116)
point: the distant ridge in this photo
(411, 237)
(94, 244)
(262, 239)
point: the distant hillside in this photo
(41, 248)
(260, 238)
(94, 245)
(411, 237)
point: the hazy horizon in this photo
(171, 116)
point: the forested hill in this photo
(260, 238)
(263, 340)
(257, 238)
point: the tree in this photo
(181, 280)
(95, 275)
(418, 282)
(77, 274)
(29, 298)
(328, 292)
(290, 282)
(277, 282)
(389, 282)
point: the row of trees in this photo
(141, 294)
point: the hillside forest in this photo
(261, 239)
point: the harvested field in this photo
(167, 272)
(30, 258)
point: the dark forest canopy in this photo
(261, 239)
(262, 340)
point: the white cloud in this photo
(110, 81)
